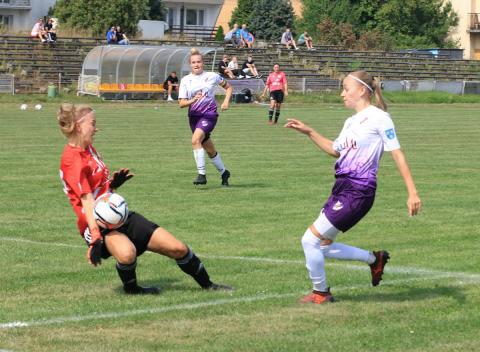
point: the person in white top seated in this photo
(233, 66)
(287, 39)
(38, 32)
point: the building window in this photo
(6, 21)
(4, 1)
(171, 16)
(195, 17)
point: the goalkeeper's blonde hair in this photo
(69, 114)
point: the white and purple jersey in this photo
(206, 82)
(361, 143)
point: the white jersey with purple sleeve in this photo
(206, 82)
(361, 143)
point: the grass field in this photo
(248, 235)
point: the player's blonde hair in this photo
(195, 52)
(373, 86)
(69, 114)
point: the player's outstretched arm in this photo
(322, 142)
(414, 204)
(119, 178)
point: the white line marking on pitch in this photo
(247, 299)
(389, 268)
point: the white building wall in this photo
(24, 19)
(470, 42)
(211, 7)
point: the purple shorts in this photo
(348, 203)
(205, 123)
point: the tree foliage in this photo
(270, 18)
(242, 13)
(157, 10)
(99, 15)
(402, 23)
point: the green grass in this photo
(428, 301)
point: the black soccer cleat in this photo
(225, 177)
(376, 269)
(200, 180)
(219, 287)
(139, 290)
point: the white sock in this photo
(217, 161)
(315, 261)
(343, 252)
(199, 155)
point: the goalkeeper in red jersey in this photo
(85, 177)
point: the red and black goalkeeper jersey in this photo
(82, 172)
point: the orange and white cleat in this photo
(317, 297)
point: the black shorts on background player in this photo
(277, 95)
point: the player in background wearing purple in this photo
(197, 91)
(358, 150)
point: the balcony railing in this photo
(474, 25)
(15, 4)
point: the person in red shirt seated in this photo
(85, 177)
(277, 85)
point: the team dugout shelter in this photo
(141, 70)
(138, 72)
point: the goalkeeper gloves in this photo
(119, 178)
(94, 252)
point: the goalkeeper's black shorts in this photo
(138, 229)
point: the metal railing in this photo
(474, 25)
(193, 31)
(15, 4)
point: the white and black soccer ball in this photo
(38, 107)
(23, 107)
(110, 211)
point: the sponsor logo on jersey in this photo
(337, 206)
(390, 133)
(204, 123)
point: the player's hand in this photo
(286, 93)
(120, 177)
(414, 204)
(198, 96)
(298, 125)
(224, 105)
(94, 252)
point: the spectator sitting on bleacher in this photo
(233, 66)
(112, 36)
(238, 34)
(121, 37)
(246, 37)
(171, 85)
(306, 40)
(223, 68)
(231, 36)
(287, 39)
(38, 31)
(249, 69)
(249, 40)
(50, 32)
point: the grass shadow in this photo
(409, 294)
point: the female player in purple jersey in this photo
(197, 91)
(359, 147)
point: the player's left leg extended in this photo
(163, 242)
(277, 111)
(216, 160)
